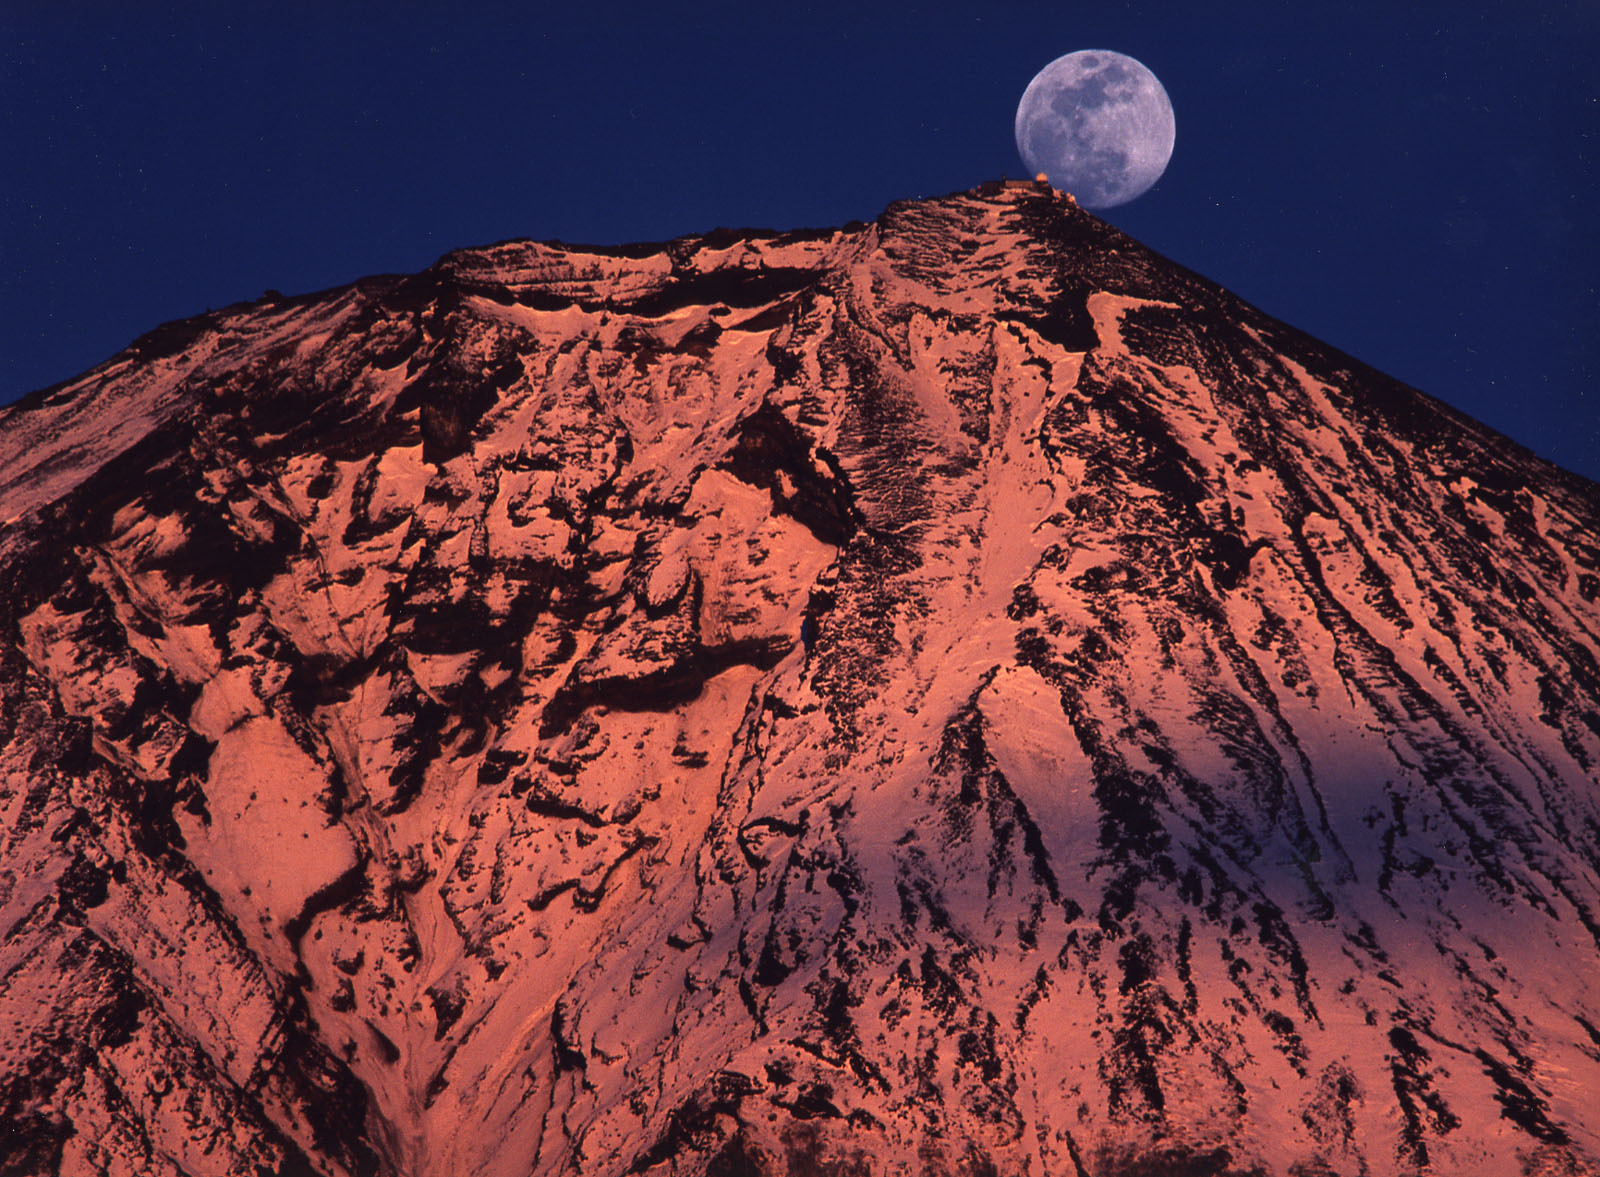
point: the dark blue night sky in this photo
(1414, 183)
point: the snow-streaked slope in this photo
(953, 695)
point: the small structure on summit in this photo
(1040, 183)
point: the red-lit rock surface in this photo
(413, 765)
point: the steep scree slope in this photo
(956, 695)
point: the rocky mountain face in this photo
(954, 695)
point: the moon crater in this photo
(1098, 124)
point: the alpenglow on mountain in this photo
(957, 695)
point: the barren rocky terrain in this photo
(953, 695)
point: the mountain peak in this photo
(955, 694)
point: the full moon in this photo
(1098, 124)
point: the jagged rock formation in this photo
(955, 695)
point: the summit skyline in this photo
(1412, 185)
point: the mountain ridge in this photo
(176, 332)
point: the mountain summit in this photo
(954, 695)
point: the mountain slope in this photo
(958, 694)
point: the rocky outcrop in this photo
(952, 695)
